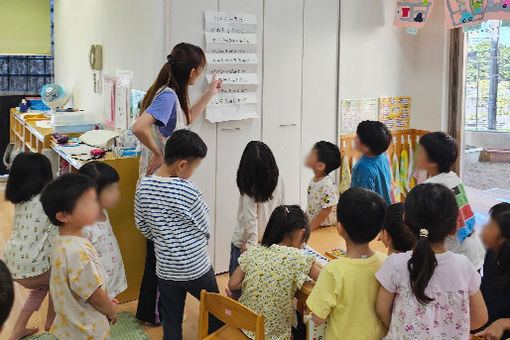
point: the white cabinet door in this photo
(232, 138)
(185, 23)
(281, 123)
(320, 76)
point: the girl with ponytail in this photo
(496, 273)
(429, 292)
(166, 108)
(270, 274)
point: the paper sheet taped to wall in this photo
(230, 42)
(234, 98)
(395, 112)
(222, 22)
(237, 79)
(231, 45)
(464, 12)
(232, 62)
(216, 114)
(354, 111)
(497, 10)
(412, 13)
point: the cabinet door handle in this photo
(231, 129)
(291, 124)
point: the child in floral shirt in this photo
(271, 273)
(77, 285)
(429, 292)
(322, 190)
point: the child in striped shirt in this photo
(170, 211)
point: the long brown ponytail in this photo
(430, 212)
(175, 74)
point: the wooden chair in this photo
(232, 313)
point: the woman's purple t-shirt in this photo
(164, 109)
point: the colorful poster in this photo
(395, 112)
(354, 111)
(412, 13)
(497, 10)
(460, 13)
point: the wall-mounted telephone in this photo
(96, 57)
(96, 63)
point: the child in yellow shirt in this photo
(346, 291)
(78, 280)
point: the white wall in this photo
(132, 35)
(378, 59)
(300, 80)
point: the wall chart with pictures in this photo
(458, 13)
(231, 48)
(354, 111)
(395, 112)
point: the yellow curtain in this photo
(25, 27)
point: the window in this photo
(27, 73)
(487, 104)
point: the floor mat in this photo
(127, 328)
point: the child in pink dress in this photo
(429, 292)
(101, 234)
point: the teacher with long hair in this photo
(166, 108)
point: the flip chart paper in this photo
(236, 79)
(230, 39)
(225, 18)
(232, 58)
(222, 22)
(234, 98)
(216, 114)
(231, 45)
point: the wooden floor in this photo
(321, 240)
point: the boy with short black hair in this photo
(170, 210)
(78, 280)
(437, 152)
(6, 293)
(372, 171)
(322, 191)
(346, 291)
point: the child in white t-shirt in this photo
(322, 190)
(261, 190)
(437, 152)
(101, 233)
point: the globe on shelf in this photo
(54, 95)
